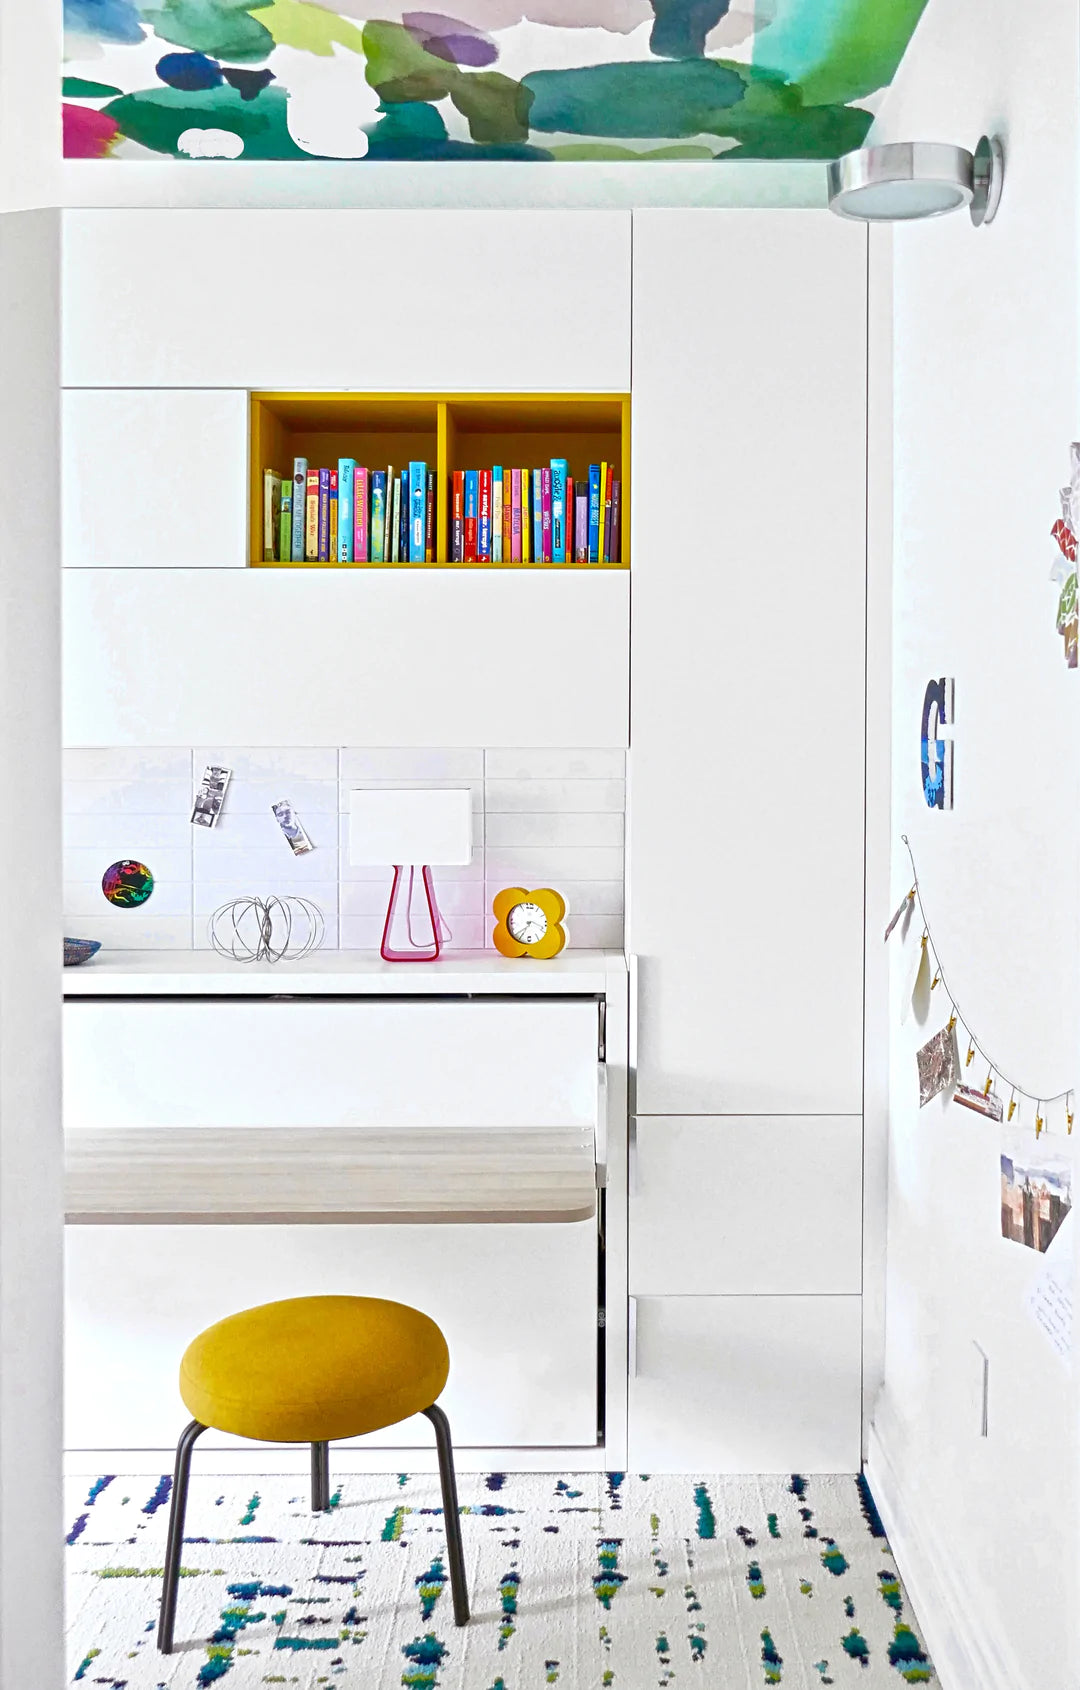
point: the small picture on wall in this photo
(1036, 1196)
(939, 1065)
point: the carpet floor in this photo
(589, 1582)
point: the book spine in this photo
(507, 516)
(457, 518)
(515, 516)
(403, 519)
(537, 517)
(417, 510)
(299, 495)
(360, 515)
(608, 472)
(472, 511)
(346, 521)
(377, 537)
(335, 502)
(526, 517)
(497, 514)
(483, 533)
(545, 513)
(285, 523)
(581, 525)
(594, 513)
(388, 517)
(311, 518)
(324, 515)
(395, 520)
(569, 519)
(271, 514)
(558, 473)
(430, 535)
(616, 522)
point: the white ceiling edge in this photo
(502, 185)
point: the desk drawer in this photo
(368, 1063)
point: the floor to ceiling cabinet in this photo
(746, 830)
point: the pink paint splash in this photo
(88, 133)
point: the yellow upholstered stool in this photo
(309, 1370)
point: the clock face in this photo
(527, 924)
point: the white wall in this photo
(986, 403)
(30, 1141)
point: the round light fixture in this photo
(904, 180)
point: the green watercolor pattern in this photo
(589, 81)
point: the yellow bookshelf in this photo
(448, 432)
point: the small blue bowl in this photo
(79, 950)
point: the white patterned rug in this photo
(588, 1582)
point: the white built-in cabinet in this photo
(745, 900)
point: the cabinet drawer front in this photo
(746, 1204)
(517, 1305)
(745, 1384)
(359, 1063)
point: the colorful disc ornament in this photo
(127, 884)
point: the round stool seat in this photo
(311, 1369)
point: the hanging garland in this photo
(969, 1096)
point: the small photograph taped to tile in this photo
(1036, 1193)
(292, 827)
(986, 1103)
(127, 884)
(939, 1065)
(210, 796)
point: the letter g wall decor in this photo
(937, 753)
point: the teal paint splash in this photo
(797, 1487)
(297, 1644)
(849, 1607)
(706, 1519)
(774, 1528)
(551, 1672)
(508, 1599)
(427, 1655)
(614, 1484)
(771, 1659)
(822, 1670)
(429, 1586)
(889, 1586)
(869, 1507)
(248, 1518)
(86, 1663)
(563, 1489)
(754, 1581)
(856, 1646)
(834, 1558)
(395, 1525)
(608, 1581)
(222, 1645)
(97, 1487)
(696, 1635)
(907, 1656)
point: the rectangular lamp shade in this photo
(410, 825)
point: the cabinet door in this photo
(745, 1384)
(746, 1204)
(154, 479)
(747, 656)
(517, 1305)
(485, 300)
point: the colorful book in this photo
(594, 514)
(472, 515)
(581, 524)
(346, 535)
(616, 513)
(299, 496)
(388, 538)
(271, 513)
(457, 518)
(429, 518)
(570, 513)
(545, 513)
(284, 550)
(538, 517)
(311, 518)
(394, 524)
(483, 518)
(334, 502)
(507, 516)
(360, 515)
(324, 516)
(377, 527)
(526, 516)
(497, 515)
(403, 519)
(608, 473)
(417, 510)
(558, 472)
(514, 550)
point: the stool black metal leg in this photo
(454, 1551)
(177, 1510)
(320, 1477)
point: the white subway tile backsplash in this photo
(567, 796)
(607, 764)
(540, 817)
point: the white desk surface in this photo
(342, 974)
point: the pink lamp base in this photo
(399, 914)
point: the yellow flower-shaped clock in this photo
(528, 923)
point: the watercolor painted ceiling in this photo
(488, 79)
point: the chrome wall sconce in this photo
(906, 180)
